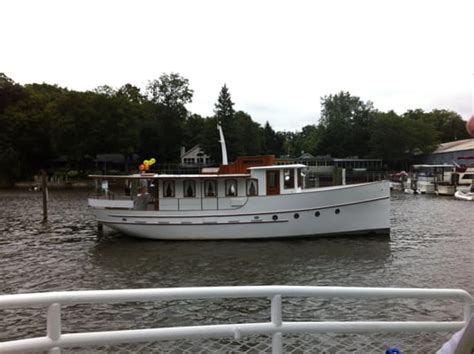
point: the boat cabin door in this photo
(273, 182)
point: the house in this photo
(194, 156)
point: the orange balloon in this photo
(141, 167)
(147, 167)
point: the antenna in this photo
(222, 141)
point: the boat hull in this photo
(361, 208)
(464, 196)
(445, 189)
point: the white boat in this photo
(398, 180)
(445, 188)
(251, 198)
(469, 196)
(424, 179)
(259, 204)
(465, 179)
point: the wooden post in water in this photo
(100, 229)
(44, 191)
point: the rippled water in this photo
(431, 245)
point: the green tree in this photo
(131, 93)
(10, 94)
(194, 130)
(249, 135)
(224, 114)
(272, 141)
(449, 125)
(169, 95)
(344, 125)
(171, 90)
(398, 138)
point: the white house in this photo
(194, 156)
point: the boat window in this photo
(210, 189)
(230, 188)
(289, 175)
(300, 177)
(252, 187)
(168, 189)
(189, 189)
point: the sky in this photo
(278, 58)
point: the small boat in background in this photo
(432, 179)
(398, 181)
(468, 196)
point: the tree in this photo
(224, 113)
(171, 90)
(168, 95)
(449, 125)
(272, 141)
(131, 93)
(249, 135)
(398, 138)
(344, 125)
(224, 107)
(10, 94)
(105, 90)
(194, 130)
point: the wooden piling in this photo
(44, 191)
(100, 228)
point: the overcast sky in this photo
(277, 57)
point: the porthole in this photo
(296, 216)
(317, 214)
(337, 211)
(275, 217)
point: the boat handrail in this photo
(55, 339)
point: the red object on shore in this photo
(470, 126)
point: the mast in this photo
(223, 147)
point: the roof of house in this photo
(194, 148)
(458, 145)
(305, 156)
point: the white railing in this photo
(55, 339)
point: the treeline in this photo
(39, 122)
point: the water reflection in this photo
(199, 263)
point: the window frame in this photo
(185, 182)
(247, 184)
(173, 184)
(291, 181)
(227, 181)
(215, 188)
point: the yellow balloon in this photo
(152, 161)
(146, 162)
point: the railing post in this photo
(53, 325)
(277, 344)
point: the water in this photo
(431, 245)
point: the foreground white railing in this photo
(55, 340)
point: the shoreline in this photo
(32, 185)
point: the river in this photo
(431, 245)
